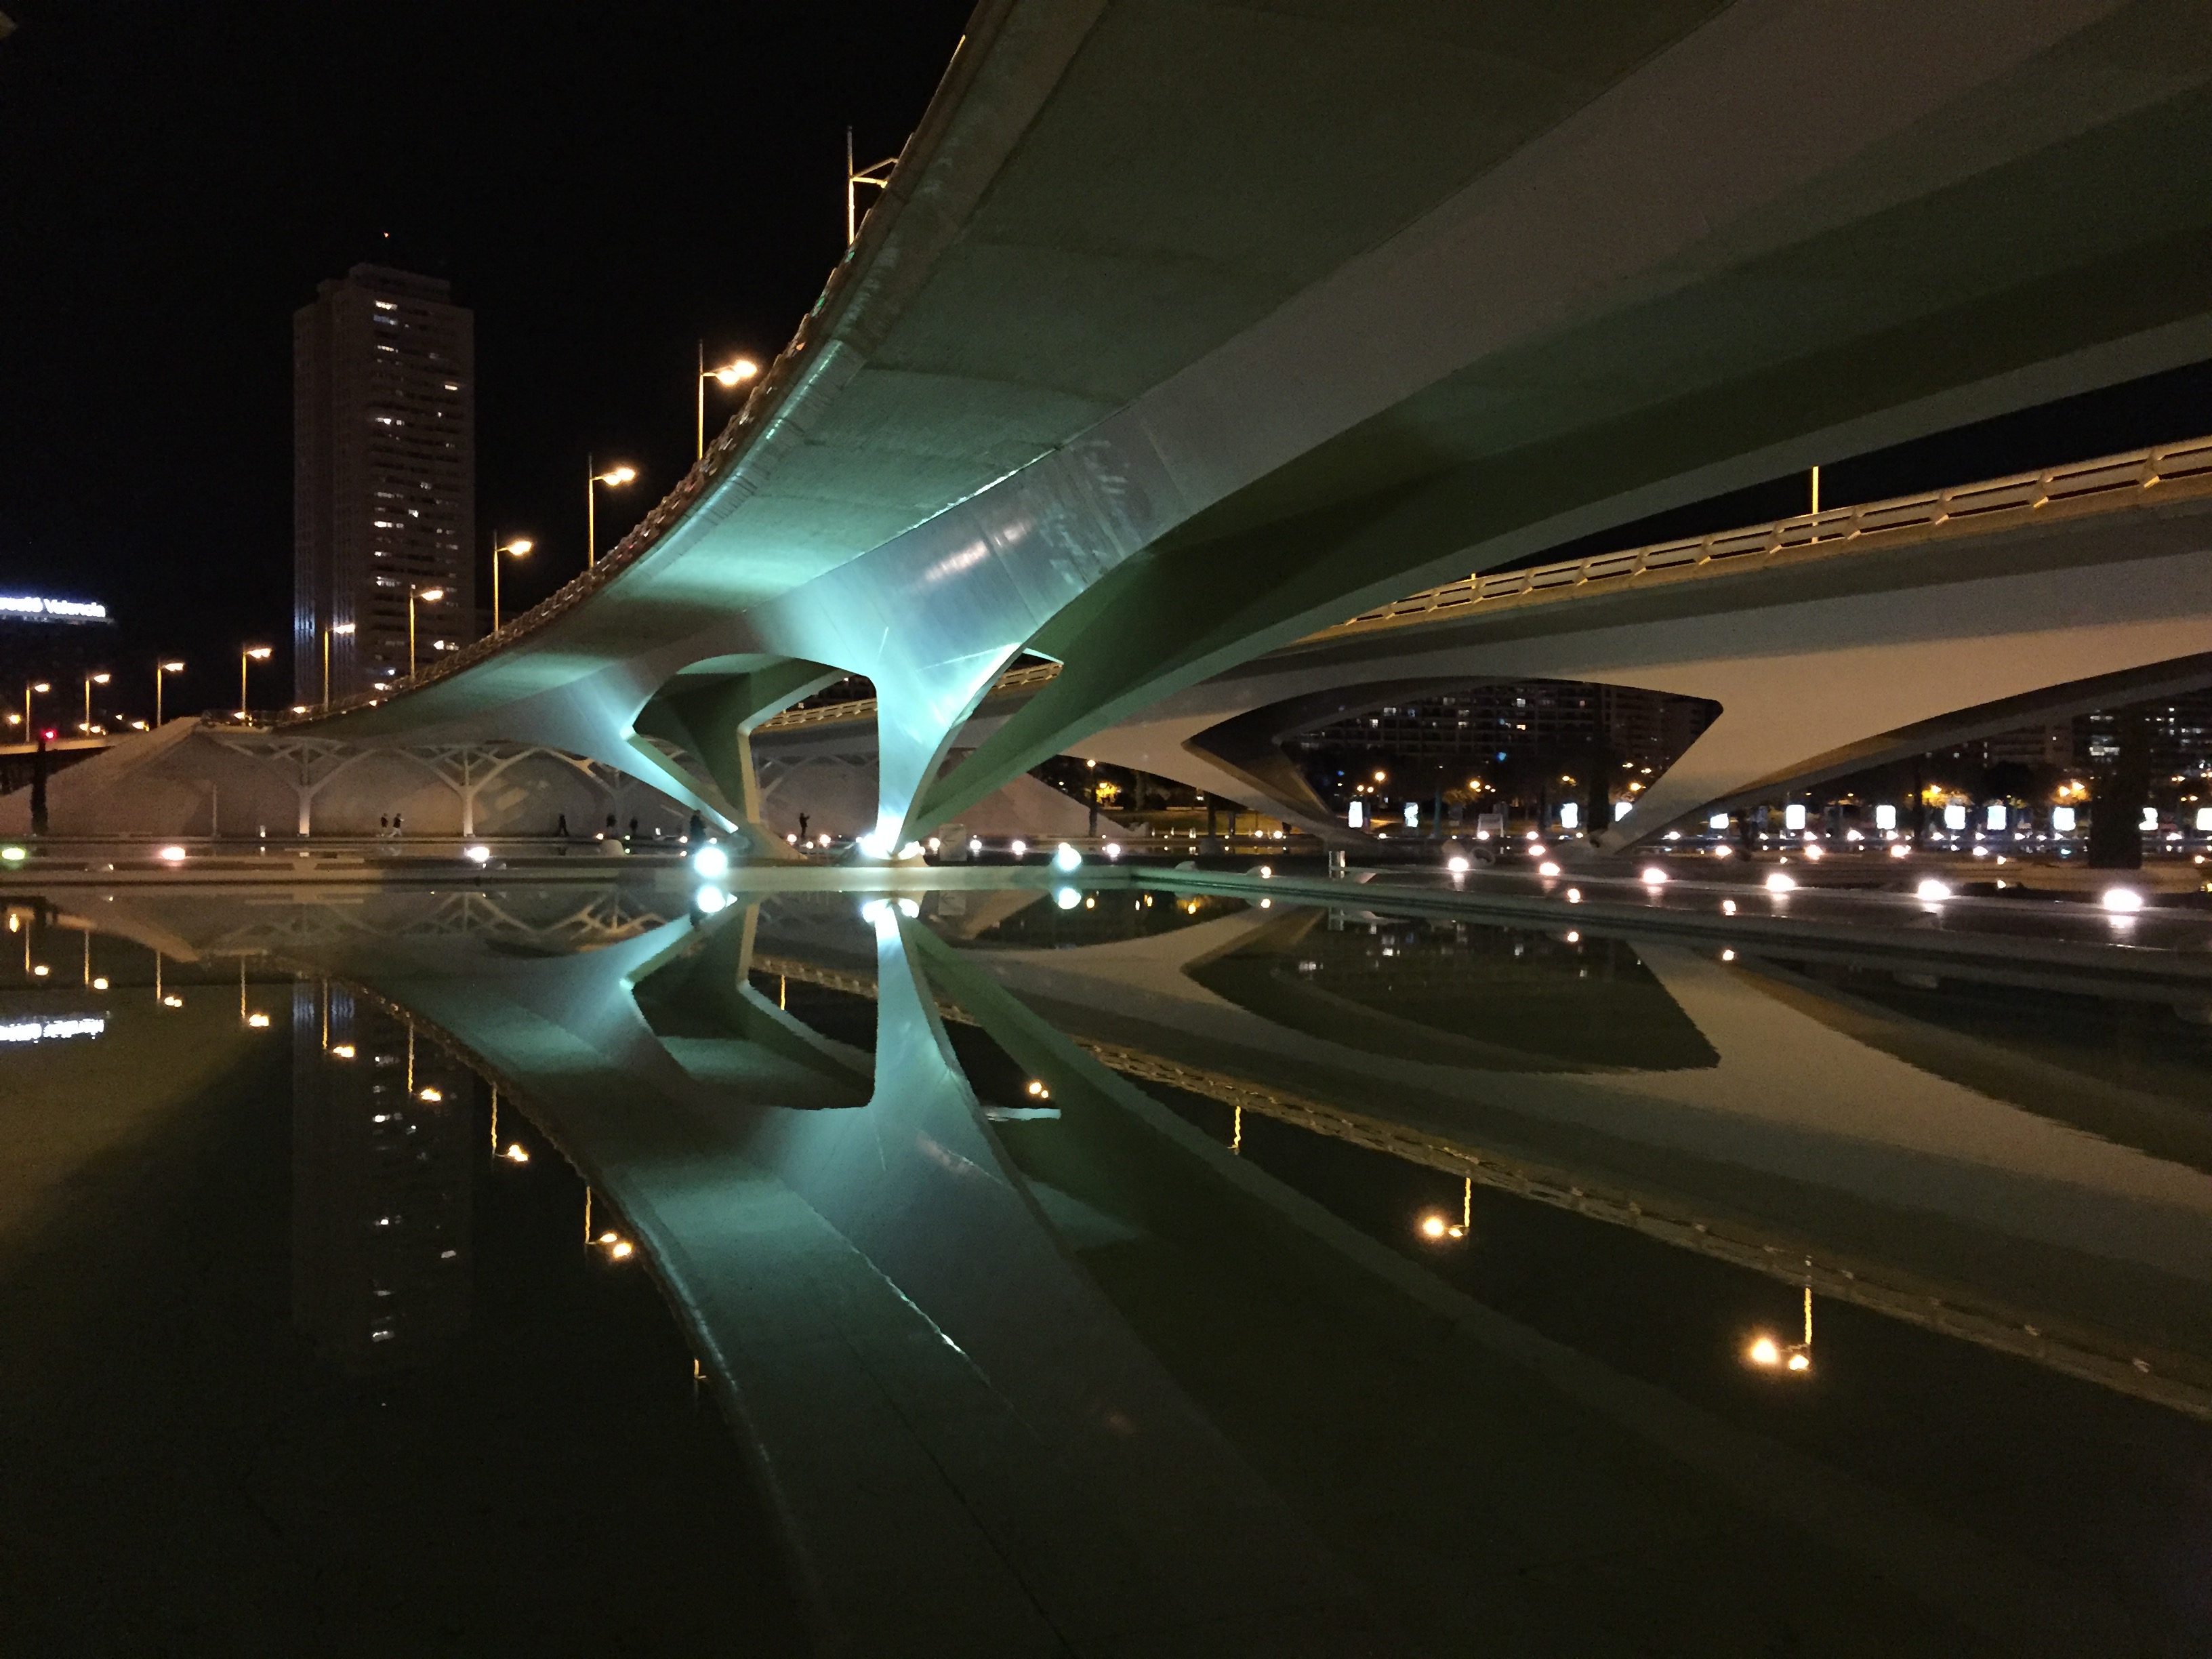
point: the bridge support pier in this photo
(714, 722)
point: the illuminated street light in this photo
(159, 670)
(40, 688)
(736, 372)
(614, 478)
(335, 627)
(251, 654)
(428, 596)
(1797, 1359)
(91, 680)
(878, 175)
(518, 548)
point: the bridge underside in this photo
(1160, 353)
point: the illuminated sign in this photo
(50, 1031)
(24, 605)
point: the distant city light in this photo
(25, 605)
(51, 1031)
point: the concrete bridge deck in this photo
(1159, 353)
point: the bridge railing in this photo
(2135, 473)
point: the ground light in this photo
(2122, 901)
(476, 855)
(171, 855)
(1932, 889)
(1653, 876)
(1779, 883)
(1066, 897)
(1548, 868)
(710, 900)
(1066, 858)
(1457, 865)
(13, 855)
(711, 862)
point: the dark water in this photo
(1121, 1271)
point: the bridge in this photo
(1160, 352)
(1894, 626)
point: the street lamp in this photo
(878, 175)
(736, 372)
(615, 479)
(91, 680)
(428, 596)
(335, 627)
(160, 669)
(518, 548)
(251, 653)
(41, 688)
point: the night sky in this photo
(603, 185)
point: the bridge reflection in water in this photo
(1141, 1270)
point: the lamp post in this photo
(736, 372)
(428, 596)
(878, 175)
(251, 654)
(159, 670)
(40, 687)
(518, 548)
(614, 478)
(335, 627)
(91, 680)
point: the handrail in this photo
(2136, 471)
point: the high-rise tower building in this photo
(384, 478)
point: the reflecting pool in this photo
(1161, 1263)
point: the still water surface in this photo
(1135, 1270)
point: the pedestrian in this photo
(398, 826)
(383, 826)
(560, 826)
(802, 827)
(697, 830)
